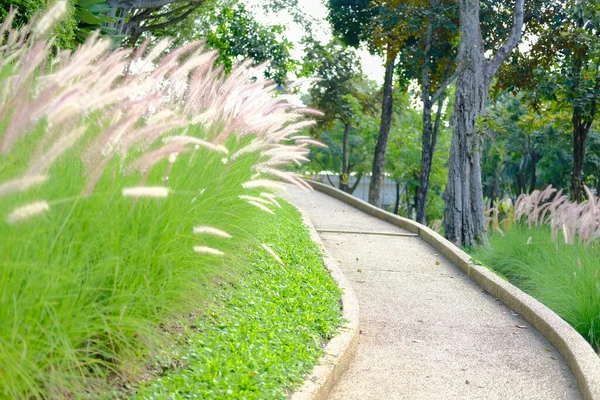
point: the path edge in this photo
(339, 351)
(578, 354)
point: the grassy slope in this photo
(84, 286)
(264, 334)
(563, 277)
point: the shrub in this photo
(562, 276)
(123, 175)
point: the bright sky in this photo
(372, 65)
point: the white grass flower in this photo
(27, 211)
(256, 199)
(172, 158)
(261, 206)
(208, 250)
(272, 253)
(272, 198)
(182, 139)
(51, 17)
(146, 191)
(20, 184)
(263, 183)
(208, 230)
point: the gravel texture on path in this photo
(427, 331)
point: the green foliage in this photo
(90, 270)
(65, 32)
(563, 277)
(403, 159)
(529, 147)
(361, 143)
(339, 73)
(227, 26)
(261, 336)
(92, 15)
(85, 286)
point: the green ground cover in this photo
(563, 277)
(262, 335)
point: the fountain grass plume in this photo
(566, 219)
(84, 136)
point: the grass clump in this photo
(263, 335)
(130, 181)
(562, 276)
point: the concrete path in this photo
(427, 331)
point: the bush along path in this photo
(264, 333)
(550, 250)
(427, 331)
(132, 181)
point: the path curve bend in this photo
(427, 331)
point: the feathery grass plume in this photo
(27, 211)
(263, 183)
(182, 139)
(272, 253)
(81, 121)
(21, 184)
(261, 206)
(208, 250)
(286, 176)
(208, 230)
(256, 199)
(51, 17)
(146, 191)
(272, 198)
(581, 220)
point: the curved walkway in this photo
(427, 331)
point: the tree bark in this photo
(534, 159)
(345, 159)
(582, 122)
(397, 205)
(355, 185)
(464, 216)
(579, 141)
(429, 140)
(375, 187)
(598, 184)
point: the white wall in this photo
(362, 190)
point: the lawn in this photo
(562, 276)
(264, 333)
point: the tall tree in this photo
(431, 60)
(464, 219)
(341, 92)
(384, 26)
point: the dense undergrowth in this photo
(131, 181)
(562, 276)
(264, 333)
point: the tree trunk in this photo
(429, 140)
(464, 216)
(358, 178)
(345, 159)
(598, 184)
(397, 205)
(375, 187)
(534, 160)
(579, 140)
(522, 176)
